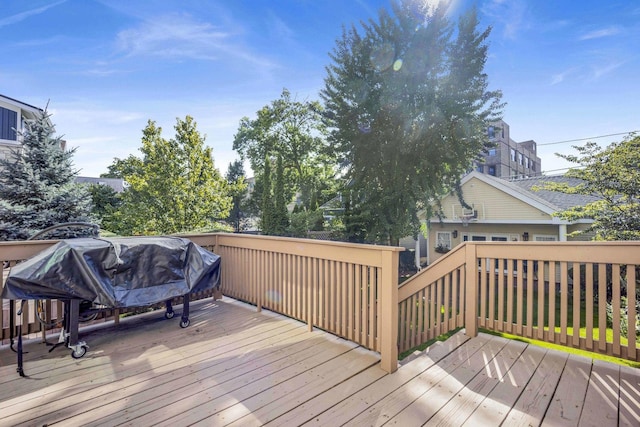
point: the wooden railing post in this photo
(471, 291)
(388, 301)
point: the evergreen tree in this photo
(105, 202)
(174, 187)
(408, 105)
(38, 188)
(281, 214)
(267, 217)
(238, 190)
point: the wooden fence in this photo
(567, 293)
(560, 292)
(338, 287)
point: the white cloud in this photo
(89, 114)
(560, 77)
(603, 32)
(602, 70)
(18, 17)
(512, 16)
(181, 36)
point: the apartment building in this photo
(509, 159)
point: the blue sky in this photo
(568, 70)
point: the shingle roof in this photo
(561, 201)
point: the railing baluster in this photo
(564, 289)
(552, 302)
(519, 298)
(588, 298)
(631, 311)
(541, 299)
(576, 303)
(615, 303)
(602, 307)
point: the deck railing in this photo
(566, 293)
(559, 292)
(350, 290)
(347, 289)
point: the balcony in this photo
(308, 333)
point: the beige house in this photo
(504, 211)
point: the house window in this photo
(526, 162)
(491, 132)
(492, 152)
(479, 168)
(520, 159)
(8, 124)
(513, 155)
(492, 170)
(443, 239)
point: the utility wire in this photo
(586, 139)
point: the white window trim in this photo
(444, 243)
(545, 238)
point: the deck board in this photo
(601, 401)
(566, 405)
(235, 366)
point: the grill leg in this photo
(184, 322)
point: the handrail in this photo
(558, 292)
(443, 265)
(566, 293)
(348, 289)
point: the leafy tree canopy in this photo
(105, 202)
(38, 188)
(174, 187)
(407, 103)
(295, 131)
(613, 174)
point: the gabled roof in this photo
(22, 105)
(545, 200)
(562, 201)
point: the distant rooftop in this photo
(560, 200)
(116, 183)
(20, 102)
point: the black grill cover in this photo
(117, 272)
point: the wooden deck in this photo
(234, 366)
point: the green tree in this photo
(238, 190)
(38, 188)
(295, 131)
(612, 174)
(407, 104)
(174, 187)
(105, 202)
(267, 220)
(121, 167)
(280, 213)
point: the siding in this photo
(491, 204)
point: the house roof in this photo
(116, 183)
(545, 200)
(22, 105)
(560, 200)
